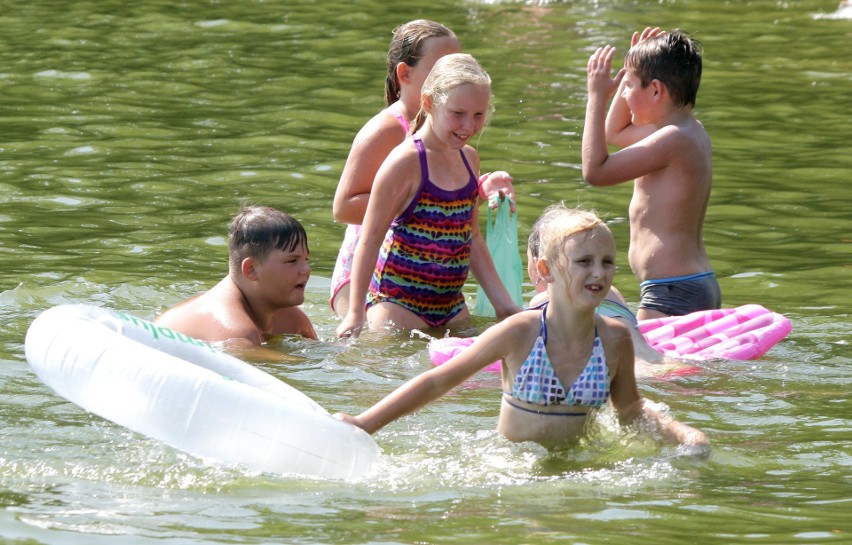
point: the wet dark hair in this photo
(673, 58)
(407, 46)
(258, 230)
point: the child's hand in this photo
(646, 34)
(348, 418)
(496, 186)
(694, 438)
(350, 326)
(693, 443)
(599, 69)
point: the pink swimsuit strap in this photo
(403, 122)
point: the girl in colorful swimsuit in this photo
(422, 213)
(414, 48)
(561, 360)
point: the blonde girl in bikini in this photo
(613, 304)
(560, 361)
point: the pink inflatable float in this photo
(741, 333)
(442, 350)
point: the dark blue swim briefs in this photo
(680, 295)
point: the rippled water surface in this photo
(131, 132)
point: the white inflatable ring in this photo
(189, 395)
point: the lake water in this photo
(131, 133)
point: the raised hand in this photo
(646, 34)
(599, 69)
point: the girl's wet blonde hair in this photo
(450, 72)
(559, 222)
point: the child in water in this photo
(414, 48)
(667, 151)
(613, 304)
(268, 269)
(560, 361)
(426, 193)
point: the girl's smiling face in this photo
(462, 114)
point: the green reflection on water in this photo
(132, 132)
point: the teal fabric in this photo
(501, 236)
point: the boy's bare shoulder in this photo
(292, 321)
(681, 150)
(214, 315)
(689, 132)
(694, 130)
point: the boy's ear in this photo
(659, 88)
(542, 267)
(248, 269)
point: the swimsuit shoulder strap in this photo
(424, 177)
(403, 122)
(421, 153)
(466, 164)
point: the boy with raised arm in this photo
(267, 273)
(666, 150)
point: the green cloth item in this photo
(502, 239)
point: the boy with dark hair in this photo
(666, 150)
(267, 273)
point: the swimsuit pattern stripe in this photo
(424, 260)
(536, 382)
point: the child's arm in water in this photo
(632, 408)
(492, 345)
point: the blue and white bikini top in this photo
(536, 382)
